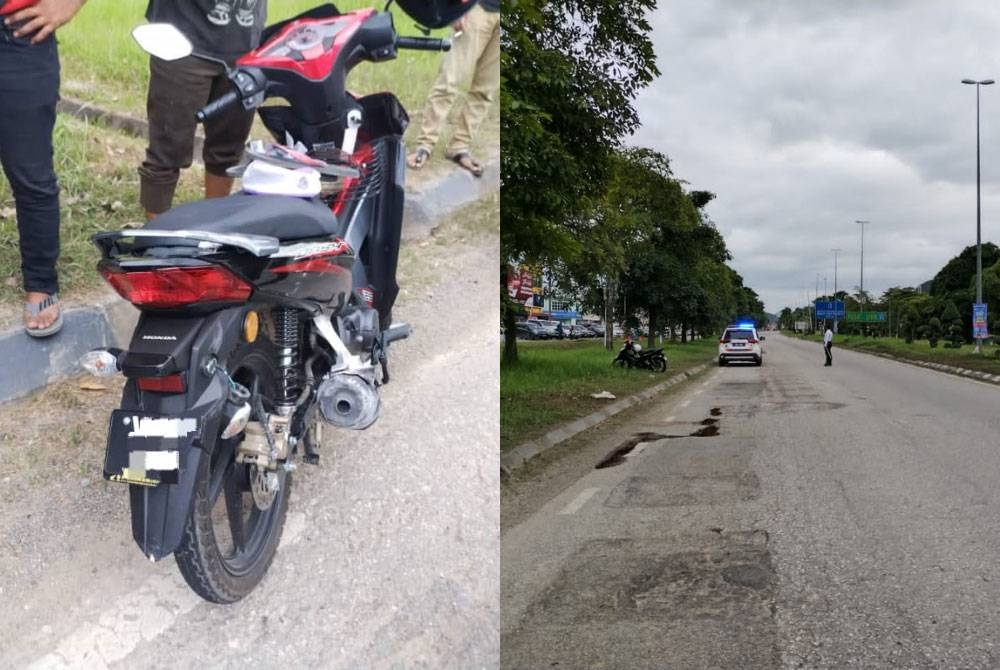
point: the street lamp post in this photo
(979, 250)
(835, 252)
(862, 289)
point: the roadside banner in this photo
(979, 330)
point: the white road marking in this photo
(705, 385)
(139, 616)
(685, 403)
(579, 501)
(698, 392)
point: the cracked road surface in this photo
(390, 554)
(840, 517)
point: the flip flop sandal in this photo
(35, 308)
(418, 158)
(465, 161)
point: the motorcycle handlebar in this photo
(218, 106)
(423, 43)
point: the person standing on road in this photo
(475, 53)
(178, 89)
(828, 345)
(29, 89)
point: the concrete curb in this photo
(940, 367)
(30, 364)
(521, 454)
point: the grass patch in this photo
(552, 381)
(920, 350)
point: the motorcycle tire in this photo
(620, 362)
(659, 364)
(229, 542)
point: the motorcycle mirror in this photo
(163, 41)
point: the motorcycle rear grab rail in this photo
(258, 245)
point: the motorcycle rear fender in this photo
(160, 513)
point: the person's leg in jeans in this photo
(177, 90)
(485, 30)
(29, 86)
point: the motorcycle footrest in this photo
(399, 331)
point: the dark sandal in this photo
(33, 309)
(418, 158)
(465, 161)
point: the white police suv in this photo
(740, 342)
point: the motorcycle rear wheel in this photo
(659, 364)
(229, 542)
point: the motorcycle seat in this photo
(283, 217)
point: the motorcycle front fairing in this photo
(157, 440)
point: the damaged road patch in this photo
(708, 596)
(617, 456)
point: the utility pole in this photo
(835, 252)
(862, 289)
(979, 249)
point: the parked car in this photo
(594, 327)
(550, 326)
(528, 330)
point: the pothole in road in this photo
(617, 457)
(618, 454)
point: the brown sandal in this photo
(464, 160)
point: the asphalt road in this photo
(842, 517)
(390, 555)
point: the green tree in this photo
(570, 71)
(951, 321)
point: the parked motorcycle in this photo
(263, 317)
(632, 355)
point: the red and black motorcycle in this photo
(262, 316)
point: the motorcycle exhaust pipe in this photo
(348, 400)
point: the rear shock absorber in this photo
(287, 336)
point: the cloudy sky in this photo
(805, 116)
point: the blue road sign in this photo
(830, 309)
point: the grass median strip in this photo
(552, 383)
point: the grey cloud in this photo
(804, 116)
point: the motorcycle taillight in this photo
(164, 288)
(170, 384)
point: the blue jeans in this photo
(29, 90)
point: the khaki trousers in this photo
(475, 54)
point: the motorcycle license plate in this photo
(146, 449)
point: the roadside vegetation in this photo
(610, 226)
(921, 350)
(933, 324)
(552, 382)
